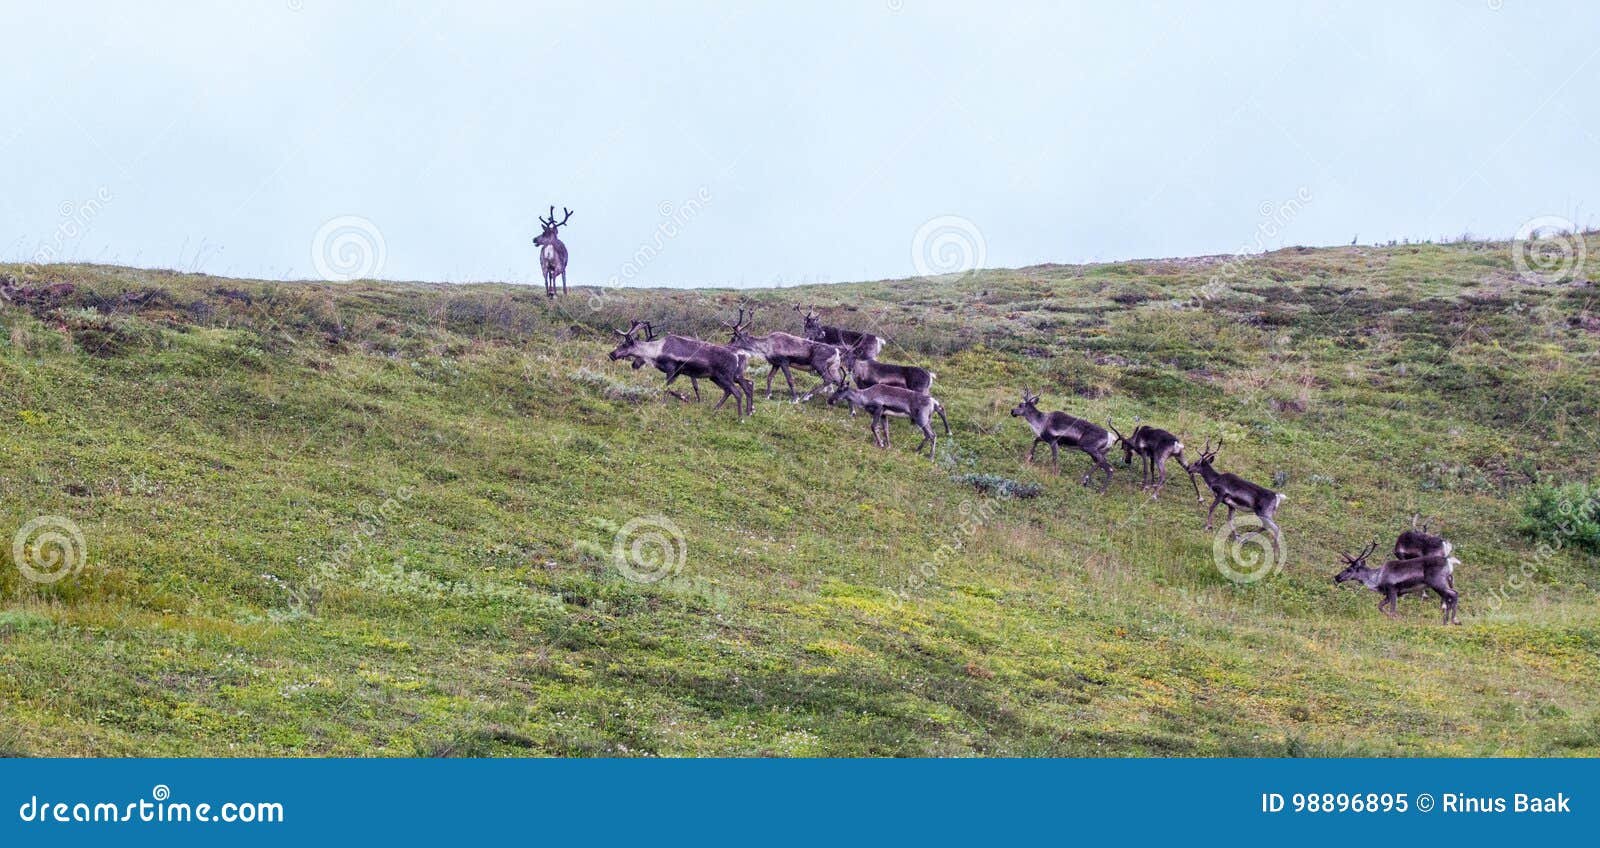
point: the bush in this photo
(1563, 516)
(994, 484)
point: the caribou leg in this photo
(728, 391)
(1212, 511)
(788, 378)
(1100, 462)
(772, 371)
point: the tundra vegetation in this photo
(378, 518)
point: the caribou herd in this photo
(846, 362)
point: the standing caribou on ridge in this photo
(866, 345)
(783, 351)
(1234, 491)
(883, 401)
(1400, 576)
(552, 253)
(1154, 447)
(681, 355)
(1059, 428)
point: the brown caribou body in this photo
(1058, 428)
(678, 356)
(1154, 447)
(552, 252)
(885, 401)
(866, 345)
(1399, 576)
(784, 351)
(1234, 491)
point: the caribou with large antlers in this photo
(1400, 576)
(866, 345)
(681, 355)
(1058, 428)
(1154, 447)
(883, 401)
(552, 252)
(1234, 491)
(783, 351)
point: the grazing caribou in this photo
(1399, 576)
(1058, 428)
(870, 372)
(681, 355)
(552, 253)
(1234, 491)
(1154, 447)
(783, 351)
(866, 345)
(883, 401)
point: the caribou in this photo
(883, 401)
(692, 358)
(1234, 491)
(1154, 447)
(1418, 542)
(784, 351)
(870, 372)
(1058, 428)
(866, 345)
(1399, 576)
(552, 253)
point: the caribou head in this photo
(633, 347)
(548, 236)
(1029, 404)
(1355, 567)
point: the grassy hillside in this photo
(379, 519)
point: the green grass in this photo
(377, 519)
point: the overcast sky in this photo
(777, 143)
